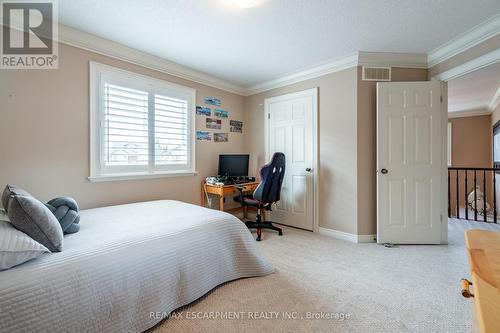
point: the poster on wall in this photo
(214, 123)
(203, 136)
(202, 111)
(220, 137)
(212, 101)
(236, 126)
(221, 113)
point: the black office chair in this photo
(267, 193)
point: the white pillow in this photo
(3, 215)
(16, 247)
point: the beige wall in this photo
(471, 146)
(44, 135)
(471, 142)
(337, 143)
(367, 145)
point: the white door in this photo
(291, 130)
(409, 162)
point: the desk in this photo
(483, 249)
(225, 190)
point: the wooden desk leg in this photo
(203, 204)
(221, 203)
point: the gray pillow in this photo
(9, 191)
(34, 219)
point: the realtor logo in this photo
(29, 31)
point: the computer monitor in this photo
(233, 165)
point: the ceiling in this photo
(474, 91)
(277, 37)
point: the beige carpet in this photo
(362, 287)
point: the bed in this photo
(127, 262)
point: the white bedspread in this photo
(126, 262)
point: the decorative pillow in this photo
(16, 247)
(9, 191)
(32, 217)
(66, 212)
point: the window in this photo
(140, 127)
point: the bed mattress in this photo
(126, 262)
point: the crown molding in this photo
(310, 73)
(89, 42)
(470, 38)
(495, 100)
(472, 105)
(469, 113)
(469, 66)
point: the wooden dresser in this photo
(483, 249)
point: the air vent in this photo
(376, 73)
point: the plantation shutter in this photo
(141, 126)
(125, 127)
(171, 131)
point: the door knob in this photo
(384, 171)
(308, 169)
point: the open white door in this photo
(409, 162)
(291, 129)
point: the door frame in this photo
(315, 139)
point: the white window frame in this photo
(97, 75)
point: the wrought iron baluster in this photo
(465, 194)
(449, 194)
(475, 196)
(456, 187)
(494, 197)
(485, 196)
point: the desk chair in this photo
(267, 193)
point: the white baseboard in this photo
(347, 236)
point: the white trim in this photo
(99, 172)
(468, 113)
(469, 66)
(465, 41)
(361, 58)
(311, 73)
(468, 106)
(315, 167)
(495, 100)
(89, 42)
(444, 163)
(142, 175)
(353, 238)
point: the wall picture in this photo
(221, 113)
(203, 136)
(236, 126)
(203, 111)
(212, 101)
(214, 123)
(220, 137)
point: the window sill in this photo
(141, 175)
